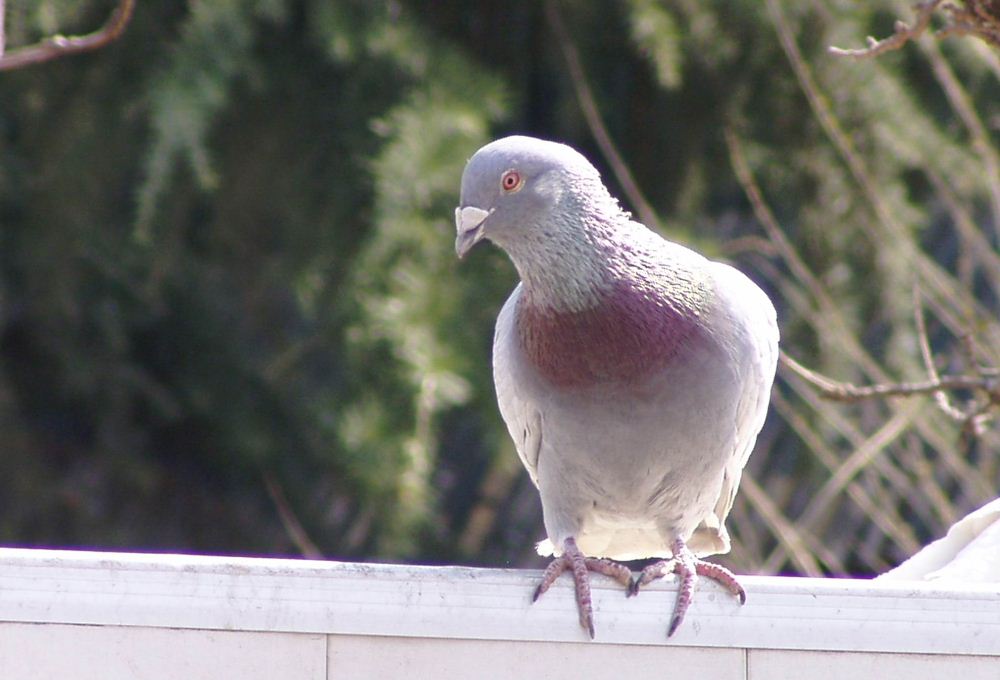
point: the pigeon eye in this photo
(511, 181)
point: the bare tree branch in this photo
(3, 29)
(902, 34)
(979, 18)
(594, 121)
(794, 544)
(886, 517)
(293, 528)
(975, 415)
(822, 500)
(925, 352)
(60, 46)
(848, 392)
(769, 222)
(961, 104)
(945, 295)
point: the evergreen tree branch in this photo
(592, 114)
(61, 46)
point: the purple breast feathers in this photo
(625, 336)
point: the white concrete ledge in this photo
(362, 612)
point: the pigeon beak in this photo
(469, 221)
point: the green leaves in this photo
(656, 34)
(187, 96)
(409, 292)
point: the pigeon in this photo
(633, 374)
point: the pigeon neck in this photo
(569, 289)
(561, 271)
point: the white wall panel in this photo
(68, 652)
(90, 615)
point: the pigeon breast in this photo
(627, 334)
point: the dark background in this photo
(231, 320)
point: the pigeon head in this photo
(546, 206)
(524, 193)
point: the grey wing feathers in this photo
(752, 308)
(523, 419)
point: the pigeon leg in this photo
(579, 566)
(688, 568)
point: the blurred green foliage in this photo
(226, 262)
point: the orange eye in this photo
(511, 180)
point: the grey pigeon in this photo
(632, 373)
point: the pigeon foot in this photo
(688, 568)
(579, 567)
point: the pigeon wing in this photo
(753, 313)
(523, 419)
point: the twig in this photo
(885, 516)
(821, 500)
(755, 245)
(974, 417)
(977, 415)
(795, 544)
(293, 528)
(594, 121)
(972, 238)
(902, 34)
(978, 18)
(849, 392)
(940, 396)
(942, 289)
(827, 313)
(60, 46)
(764, 214)
(961, 104)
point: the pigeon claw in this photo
(723, 577)
(580, 566)
(688, 568)
(650, 574)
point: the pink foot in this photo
(688, 568)
(579, 566)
